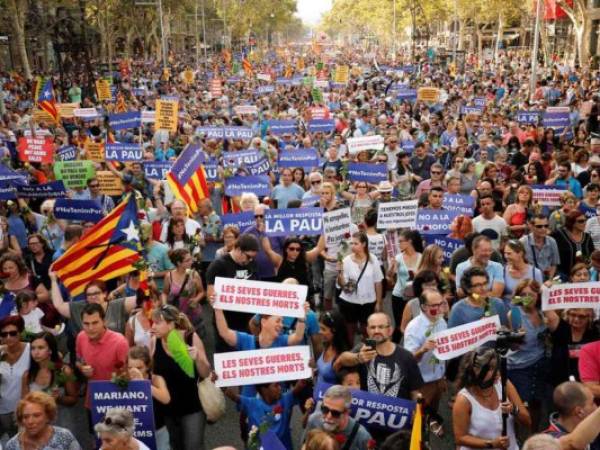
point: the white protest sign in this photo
(571, 295)
(358, 144)
(547, 195)
(263, 76)
(276, 299)
(88, 113)
(262, 366)
(402, 214)
(459, 340)
(321, 84)
(148, 116)
(245, 109)
(336, 227)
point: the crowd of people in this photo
(374, 300)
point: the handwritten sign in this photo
(94, 151)
(110, 184)
(547, 195)
(262, 366)
(393, 215)
(103, 90)
(571, 295)
(167, 115)
(459, 340)
(428, 94)
(276, 299)
(36, 149)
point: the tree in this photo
(581, 27)
(18, 11)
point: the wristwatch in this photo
(489, 444)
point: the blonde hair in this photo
(248, 197)
(39, 398)
(428, 258)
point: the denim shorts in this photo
(531, 382)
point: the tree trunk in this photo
(500, 36)
(18, 10)
(461, 34)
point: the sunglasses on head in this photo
(334, 412)
(12, 333)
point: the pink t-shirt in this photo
(106, 355)
(589, 362)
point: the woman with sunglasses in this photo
(574, 244)
(117, 310)
(14, 362)
(568, 203)
(183, 415)
(569, 332)
(527, 364)
(335, 342)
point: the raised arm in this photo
(313, 254)
(57, 300)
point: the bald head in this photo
(570, 395)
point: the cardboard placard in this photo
(110, 184)
(167, 115)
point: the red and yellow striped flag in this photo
(108, 250)
(187, 178)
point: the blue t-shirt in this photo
(283, 194)
(493, 269)
(289, 325)
(462, 312)
(256, 410)
(246, 341)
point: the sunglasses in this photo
(581, 220)
(294, 249)
(436, 173)
(545, 225)
(334, 412)
(94, 185)
(6, 334)
(315, 182)
(259, 216)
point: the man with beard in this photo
(385, 368)
(333, 416)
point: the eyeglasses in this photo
(6, 334)
(259, 216)
(435, 305)
(581, 221)
(543, 225)
(294, 249)
(479, 285)
(93, 294)
(94, 185)
(334, 412)
(572, 315)
(315, 182)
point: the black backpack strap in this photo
(350, 440)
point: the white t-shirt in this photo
(10, 387)
(190, 229)
(496, 228)
(32, 320)
(365, 291)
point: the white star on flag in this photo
(131, 232)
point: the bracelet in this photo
(358, 357)
(515, 410)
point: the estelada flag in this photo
(187, 178)
(46, 100)
(108, 250)
(247, 66)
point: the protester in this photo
(116, 431)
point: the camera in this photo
(508, 340)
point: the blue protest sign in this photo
(375, 410)
(259, 167)
(302, 157)
(406, 95)
(557, 118)
(259, 185)
(435, 221)
(459, 202)
(241, 157)
(188, 162)
(408, 146)
(84, 210)
(322, 125)
(447, 244)
(123, 152)
(139, 92)
(270, 441)
(291, 221)
(529, 117)
(125, 121)
(54, 189)
(137, 398)
(211, 169)
(284, 81)
(310, 200)
(278, 127)
(408, 68)
(157, 170)
(241, 220)
(7, 174)
(67, 153)
(7, 191)
(369, 172)
(479, 101)
(227, 132)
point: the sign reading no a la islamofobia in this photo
(402, 214)
(260, 297)
(459, 340)
(358, 144)
(262, 366)
(571, 295)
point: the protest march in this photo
(321, 245)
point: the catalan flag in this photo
(416, 435)
(187, 178)
(247, 66)
(46, 100)
(108, 250)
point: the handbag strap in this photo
(361, 272)
(176, 297)
(350, 440)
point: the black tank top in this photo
(183, 389)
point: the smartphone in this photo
(372, 343)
